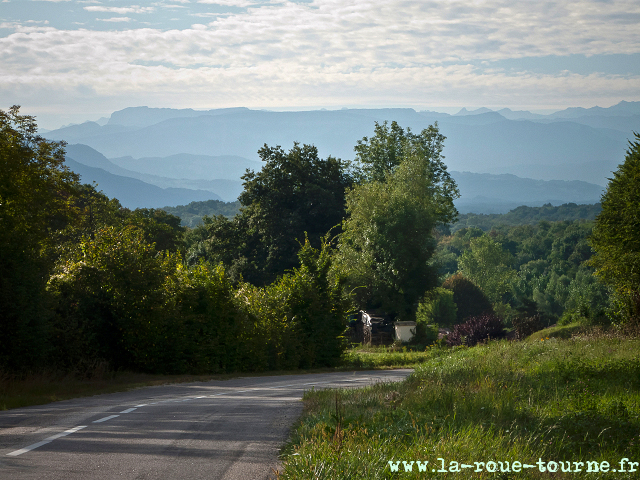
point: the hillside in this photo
(584, 147)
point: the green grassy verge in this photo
(573, 400)
(383, 357)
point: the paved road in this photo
(215, 430)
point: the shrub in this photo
(475, 330)
(525, 326)
(437, 308)
(469, 299)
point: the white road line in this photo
(45, 441)
(27, 449)
(105, 419)
(143, 405)
(129, 410)
(66, 432)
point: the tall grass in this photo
(551, 399)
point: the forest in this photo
(85, 282)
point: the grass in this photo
(378, 357)
(555, 399)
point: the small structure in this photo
(404, 331)
(371, 328)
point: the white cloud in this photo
(120, 10)
(231, 3)
(331, 52)
(115, 19)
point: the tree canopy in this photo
(616, 235)
(36, 193)
(388, 240)
(296, 192)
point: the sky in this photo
(74, 60)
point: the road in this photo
(229, 429)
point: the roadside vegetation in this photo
(541, 360)
(561, 400)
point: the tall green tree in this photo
(387, 241)
(616, 235)
(488, 265)
(295, 192)
(36, 196)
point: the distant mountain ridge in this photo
(133, 193)
(481, 192)
(579, 144)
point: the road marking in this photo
(45, 441)
(105, 419)
(129, 410)
(143, 405)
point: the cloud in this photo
(231, 3)
(331, 52)
(120, 10)
(115, 19)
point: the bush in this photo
(476, 329)
(525, 326)
(437, 308)
(469, 299)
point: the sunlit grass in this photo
(554, 399)
(383, 357)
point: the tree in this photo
(36, 196)
(488, 265)
(387, 239)
(469, 299)
(616, 235)
(381, 154)
(295, 192)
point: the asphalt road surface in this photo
(211, 430)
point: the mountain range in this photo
(189, 154)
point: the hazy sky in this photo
(72, 60)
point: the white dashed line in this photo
(105, 419)
(45, 441)
(129, 410)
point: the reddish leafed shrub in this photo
(476, 329)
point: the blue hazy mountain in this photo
(487, 193)
(133, 193)
(585, 144)
(481, 192)
(225, 189)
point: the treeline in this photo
(524, 215)
(191, 215)
(530, 270)
(85, 282)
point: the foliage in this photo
(488, 265)
(383, 153)
(568, 400)
(302, 313)
(387, 239)
(109, 303)
(470, 301)
(437, 308)
(524, 215)
(615, 237)
(525, 326)
(36, 191)
(295, 193)
(476, 329)
(550, 269)
(192, 215)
